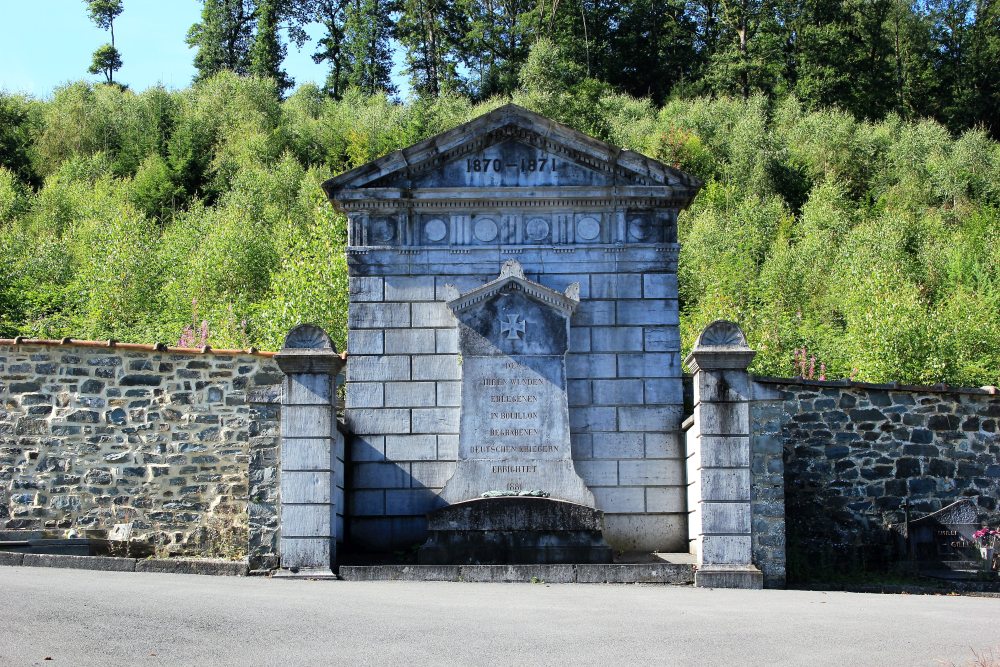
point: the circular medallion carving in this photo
(536, 229)
(382, 230)
(588, 229)
(435, 230)
(485, 230)
(636, 229)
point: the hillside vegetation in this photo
(197, 217)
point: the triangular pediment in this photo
(510, 147)
(512, 278)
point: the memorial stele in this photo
(513, 327)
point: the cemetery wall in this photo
(174, 440)
(856, 458)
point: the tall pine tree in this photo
(267, 52)
(332, 47)
(222, 37)
(425, 32)
(368, 29)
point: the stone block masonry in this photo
(442, 218)
(174, 441)
(857, 458)
(625, 397)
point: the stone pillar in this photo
(312, 454)
(718, 459)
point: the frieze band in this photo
(470, 229)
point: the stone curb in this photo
(224, 568)
(619, 573)
(11, 558)
(113, 564)
(109, 563)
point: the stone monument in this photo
(514, 435)
(514, 426)
(590, 411)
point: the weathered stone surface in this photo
(515, 419)
(719, 453)
(306, 552)
(549, 574)
(512, 185)
(400, 573)
(515, 530)
(170, 442)
(192, 566)
(727, 576)
(611, 573)
(849, 472)
(638, 573)
(516, 513)
(11, 558)
(943, 540)
(80, 562)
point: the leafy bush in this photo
(874, 245)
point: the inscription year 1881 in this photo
(486, 163)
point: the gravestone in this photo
(514, 433)
(941, 543)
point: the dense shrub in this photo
(199, 214)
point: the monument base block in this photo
(305, 573)
(728, 576)
(514, 530)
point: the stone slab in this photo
(307, 454)
(11, 558)
(311, 573)
(549, 574)
(399, 572)
(514, 432)
(635, 573)
(516, 513)
(109, 563)
(729, 550)
(614, 573)
(309, 487)
(715, 576)
(308, 389)
(229, 568)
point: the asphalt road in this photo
(78, 617)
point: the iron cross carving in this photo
(513, 327)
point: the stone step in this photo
(613, 573)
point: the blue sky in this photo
(45, 43)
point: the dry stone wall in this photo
(858, 457)
(174, 441)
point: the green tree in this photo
(107, 60)
(332, 47)
(356, 45)
(368, 29)
(984, 54)
(654, 48)
(494, 44)
(19, 126)
(222, 37)
(267, 52)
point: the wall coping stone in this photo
(891, 386)
(111, 343)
